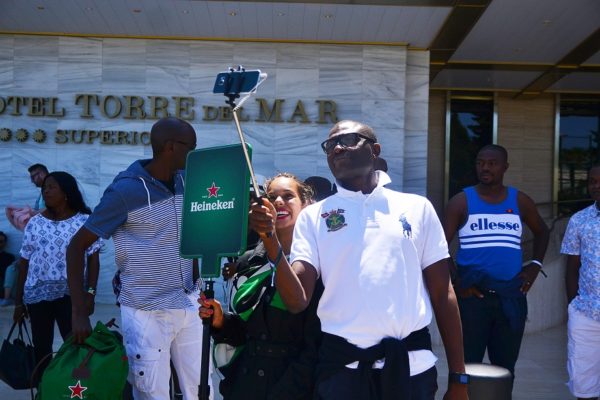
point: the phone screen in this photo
(236, 82)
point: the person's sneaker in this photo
(6, 302)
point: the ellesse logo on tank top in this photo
(491, 230)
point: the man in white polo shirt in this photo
(382, 257)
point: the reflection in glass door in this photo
(471, 126)
(579, 149)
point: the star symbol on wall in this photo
(77, 390)
(212, 191)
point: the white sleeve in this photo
(304, 243)
(432, 244)
(28, 244)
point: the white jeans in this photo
(152, 339)
(583, 348)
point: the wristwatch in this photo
(459, 377)
(91, 290)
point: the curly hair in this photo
(305, 191)
(68, 185)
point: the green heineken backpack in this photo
(96, 370)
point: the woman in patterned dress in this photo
(42, 291)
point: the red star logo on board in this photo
(212, 191)
(77, 390)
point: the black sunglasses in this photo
(346, 140)
(191, 146)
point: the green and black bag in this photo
(254, 286)
(96, 370)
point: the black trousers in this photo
(346, 385)
(42, 316)
(485, 326)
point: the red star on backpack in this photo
(77, 390)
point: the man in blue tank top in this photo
(489, 278)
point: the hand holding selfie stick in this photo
(231, 84)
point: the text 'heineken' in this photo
(217, 205)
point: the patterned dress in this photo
(45, 244)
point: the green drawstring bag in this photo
(96, 370)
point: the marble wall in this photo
(386, 87)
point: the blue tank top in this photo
(490, 240)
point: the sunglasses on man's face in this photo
(345, 140)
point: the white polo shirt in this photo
(370, 251)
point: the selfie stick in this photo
(204, 387)
(231, 102)
(235, 108)
(246, 156)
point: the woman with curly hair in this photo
(42, 290)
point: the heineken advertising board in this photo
(215, 206)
